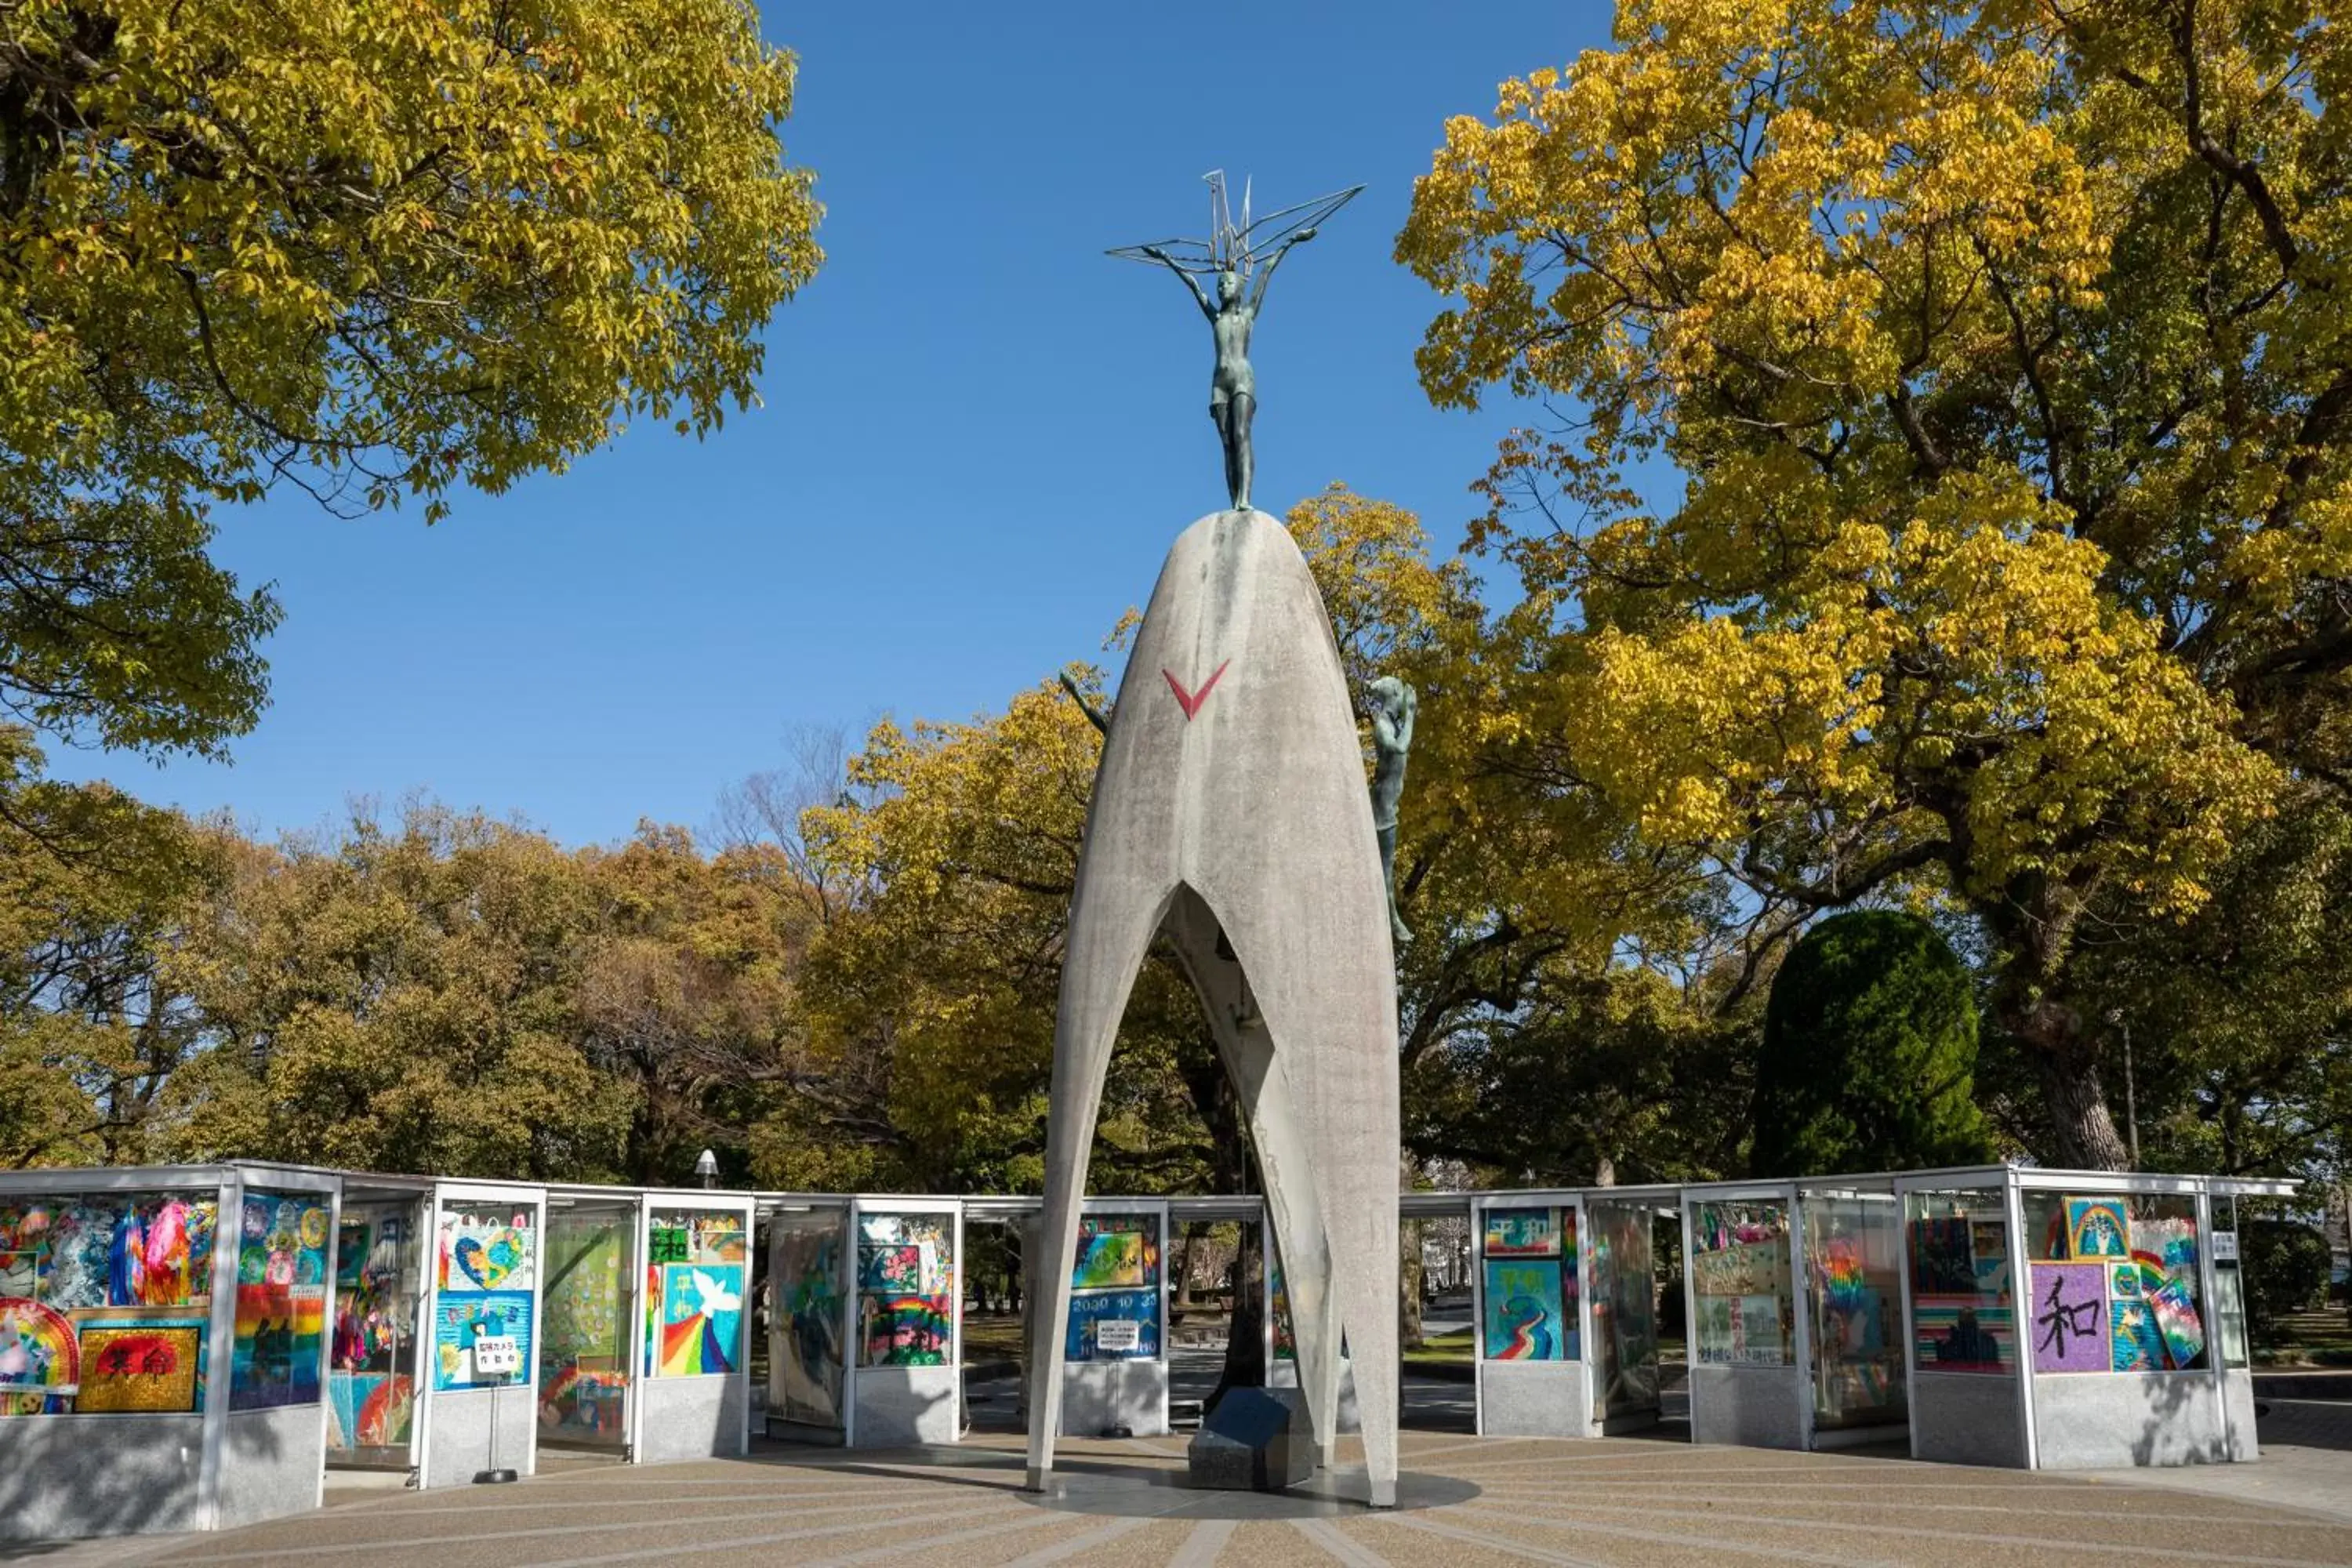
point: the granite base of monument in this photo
(1257, 1440)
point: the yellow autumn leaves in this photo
(1892, 485)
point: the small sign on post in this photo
(2225, 1246)
(497, 1355)
(1118, 1335)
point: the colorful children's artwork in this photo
(375, 1312)
(352, 1242)
(1527, 1233)
(1838, 1274)
(461, 1317)
(583, 1404)
(807, 1373)
(905, 1331)
(933, 1235)
(1743, 1268)
(894, 1268)
(1717, 1333)
(1526, 1313)
(2169, 1240)
(1141, 1307)
(2137, 1346)
(1962, 1333)
(142, 1364)
(1852, 1327)
(280, 1342)
(1943, 1256)
(905, 1278)
(2124, 1281)
(38, 1353)
(108, 1250)
(701, 1330)
(485, 1250)
(2096, 1228)
(2177, 1323)
(1108, 1258)
(1117, 1252)
(2069, 1318)
(283, 1241)
(699, 1235)
(580, 1309)
(370, 1409)
(1717, 1225)
(1760, 1332)
(1989, 1247)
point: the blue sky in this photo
(980, 434)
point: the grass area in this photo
(993, 1337)
(2308, 1339)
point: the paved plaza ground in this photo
(1648, 1502)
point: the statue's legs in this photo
(1387, 835)
(1240, 461)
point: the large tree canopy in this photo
(376, 250)
(1998, 354)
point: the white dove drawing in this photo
(716, 1297)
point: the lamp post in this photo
(706, 1165)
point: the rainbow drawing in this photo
(701, 1320)
(2096, 1228)
(38, 1351)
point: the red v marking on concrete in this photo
(1191, 700)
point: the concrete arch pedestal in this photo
(1230, 815)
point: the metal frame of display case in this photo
(852, 1374)
(295, 1476)
(769, 1209)
(366, 1191)
(1810, 1191)
(2013, 1181)
(1152, 1207)
(627, 1207)
(1660, 1200)
(1801, 1339)
(745, 1207)
(1580, 1423)
(431, 1410)
(2003, 1408)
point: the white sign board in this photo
(497, 1355)
(1118, 1334)
(2225, 1246)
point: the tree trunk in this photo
(1230, 1158)
(1410, 1335)
(2085, 1133)
(1409, 1332)
(1246, 1328)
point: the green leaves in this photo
(379, 250)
